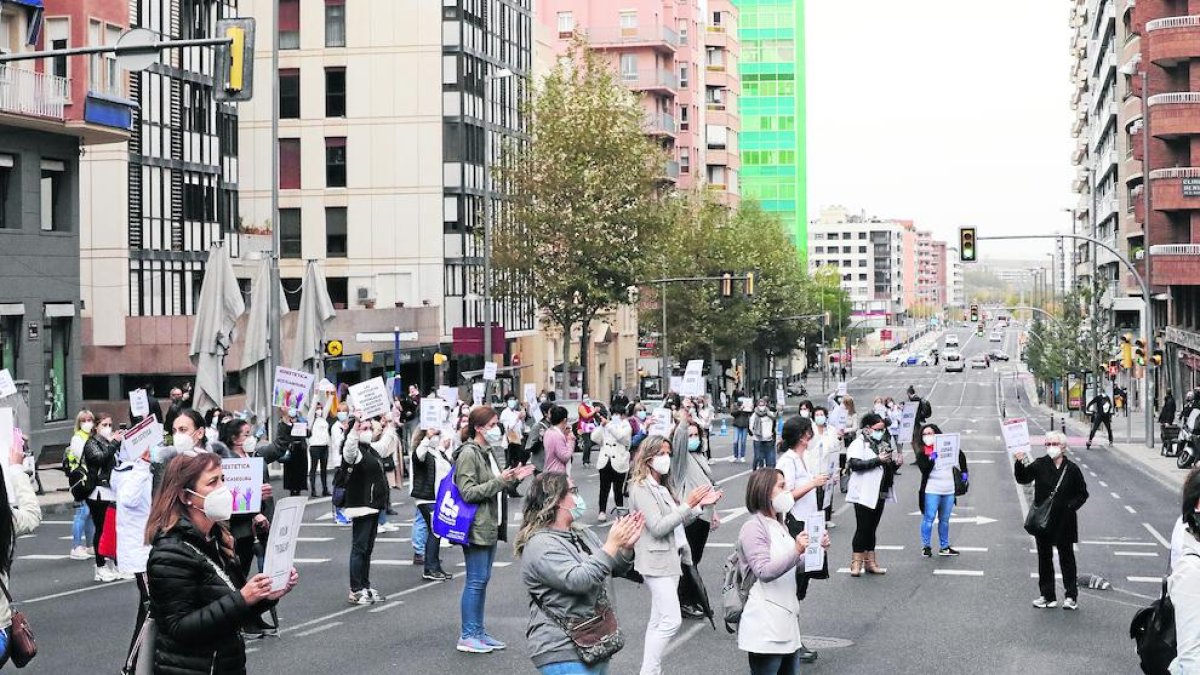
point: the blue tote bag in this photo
(453, 515)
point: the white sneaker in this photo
(360, 597)
(375, 595)
(602, 517)
(1042, 603)
(104, 575)
(79, 553)
(1071, 604)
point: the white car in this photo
(915, 359)
(951, 340)
(954, 362)
(996, 336)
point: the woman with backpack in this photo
(567, 570)
(366, 497)
(612, 436)
(82, 529)
(100, 458)
(769, 630)
(481, 482)
(1184, 585)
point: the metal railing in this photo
(672, 169)
(632, 35)
(1175, 249)
(26, 92)
(1174, 97)
(1176, 172)
(647, 79)
(662, 123)
(1172, 22)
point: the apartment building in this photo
(51, 111)
(931, 274)
(955, 283)
(876, 259)
(773, 112)
(1168, 58)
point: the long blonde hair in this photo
(541, 506)
(848, 401)
(640, 471)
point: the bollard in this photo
(1051, 421)
(1063, 428)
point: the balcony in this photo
(721, 75)
(672, 171)
(1175, 114)
(1139, 205)
(1173, 39)
(657, 81)
(1175, 189)
(1175, 265)
(720, 36)
(656, 37)
(1079, 124)
(1136, 143)
(662, 124)
(25, 92)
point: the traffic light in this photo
(235, 61)
(1139, 352)
(974, 313)
(966, 244)
(439, 359)
(1112, 368)
(1156, 359)
(726, 284)
(751, 277)
(1127, 351)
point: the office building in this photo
(876, 259)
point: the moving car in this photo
(979, 361)
(916, 359)
(998, 355)
(954, 362)
(951, 340)
(996, 336)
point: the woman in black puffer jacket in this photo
(198, 595)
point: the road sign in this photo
(129, 56)
(334, 348)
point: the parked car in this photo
(998, 355)
(916, 359)
(796, 389)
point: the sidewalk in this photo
(1150, 460)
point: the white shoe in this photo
(79, 553)
(104, 575)
(1042, 603)
(603, 517)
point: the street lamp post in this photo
(275, 353)
(487, 222)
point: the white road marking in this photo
(958, 573)
(43, 556)
(318, 629)
(347, 610)
(1115, 495)
(983, 461)
(1158, 537)
(310, 561)
(384, 608)
(842, 509)
(1034, 575)
(1137, 554)
(85, 589)
(392, 539)
(741, 511)
(1144, 580)
(718, 545)
(1091, 542)
(56, 522)
(1103, 484)
(890, 548)
(733, 477)
(972, 549)
(326, 516)
(686, 636)
(1092, 474)
(316, 539)
(464, 564)
(1130, 509)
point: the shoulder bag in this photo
(22, 646)
(597, 638)
(1037, 521)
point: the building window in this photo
(629, 24)
(53, 204)
(566, 24)
(683, 118)
(56, 344)
(335, 162)
(335, 23)
(289, 164)
(289, 93)
(682, 25)
(335, 92)
(289, 233)
(199, 202)
(6, 174)
(683, 76)
(629, 66)
(335, 232)
(339, 291)
(685, 160)
(10, 344)
(289, 24)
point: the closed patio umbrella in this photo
(217, 311)
(255, 378)
(316, 311)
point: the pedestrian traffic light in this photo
(751, 277)
(235, 61)
(1139, 352)
(1112, 368)
(439, 359)
(1127, 351)
(727, 284)
(966, 244)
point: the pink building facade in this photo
(682, 61)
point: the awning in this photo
(27, 3)
(59, 309)
(12, 309)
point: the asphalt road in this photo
(966, 615)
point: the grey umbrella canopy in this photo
(218, 310)
(316, 311)
(255, 377)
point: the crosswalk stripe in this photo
(1118, 543)
(310, 561)
(314, 539)
(1034, 575)
(42, 556)
(386, 607)
(1144, 580)
(959, 573)
(1137, 554)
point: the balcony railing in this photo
(651, 79)
(633, 35)
(662, 123)
(1176, 97)
(1175, 249)
(1176, 172)
(672, 169)
(1172, 22)
(26, 92)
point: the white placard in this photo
(281, 543)
(7, 386)
(780, 398)
(291, 387)
(864, 488)
(448, 394)
(660, 423)
(299, 429)
(1016, 435)
(676, 384)
(371, 398)
(244, 478)
(693, 379)
(531, 402)
(433, 413)
(7, 427)
(814, 555)
(139, 403)
(946, 447)
(842, 389)
(477, 391)
(908, 420)
(489, 370)
(143, 436)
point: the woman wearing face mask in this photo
(82, 529)
(612, 436)
(100, 458)
(741, 426)
(762, 430)
(805, 409)
(337, 440)
(559, 442)
(873, 467)
(247, 529)
(512, 418)
(769, 630)
(878, 407)
(430, 465)
(936, 497)
(318, 452)
(892, 417)
(1054, 473)
(663, 543)
(366, 497)
(635, 414)
(199, 598)
(567, 569)
(690, 471)
(132, 488)
(825, 443)
(480, 481)
(187, 432)
(293, 451)
(705, 414)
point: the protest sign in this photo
(660, 423)
(1016, 435)
(814, 555)
(477, 391)
(489, 370)
(139, 403)
(842, 389)
(7, 386)
(531, 402)
(370, 398)
(908, 420)
(244, 478)
(143, 436)
(693, 379)
(299, 429)
(433, 413)
(676, 384)
(946, 448)
(448, 394)
(281, 543)
(780, 397)
(291, 387)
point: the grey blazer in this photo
(656, 553)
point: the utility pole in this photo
(275, 353)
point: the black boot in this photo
(806, 655)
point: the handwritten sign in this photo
(814, 555)
(908, 420)
(780, 397)
(676, 383)
(660, 423)
(299, 429)
(433, 413)
(281, 543)
(489, 370)
(7, 386)
(531, 402)
(946, 447)
(448, 394)
(477, 391)
(139, 403)
(7, 427)
(842, 389)
(244, 478)
(143, 436)
(693, 379)
(1016, 435)
(370, 397)
(291, 387)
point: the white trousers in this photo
(665, 620)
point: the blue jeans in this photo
(764, 454)
(941, 506)
(574, 668)
(419, 533)
(82, 528)
(739, 442)
(774, 664)
(474, 596)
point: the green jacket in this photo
(478, 484)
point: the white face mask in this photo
(87, 427)
(928, 438)
(804, 413)
(106, 433)
(661, 464)
(183, 442)
(218, 504)
(783, 502)
(1054, 451)
(249, 445)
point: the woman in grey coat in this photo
(566, 569)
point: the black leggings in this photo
(143, 612)
(98, 509)
(867, 520)
(318, 453)
(609, 478)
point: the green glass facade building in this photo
(772, 110)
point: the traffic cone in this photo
(724, 428)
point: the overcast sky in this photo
(946, 112)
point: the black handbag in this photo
(1037, 521)
(961, 484)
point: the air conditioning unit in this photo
(365, 294)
